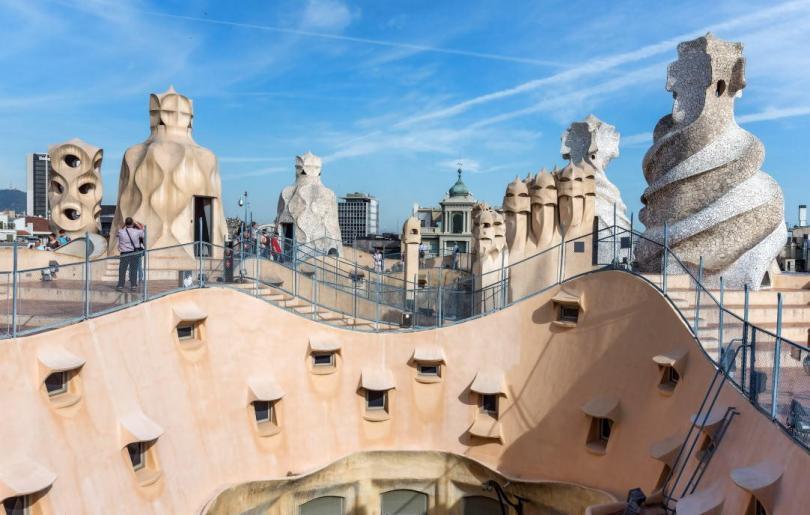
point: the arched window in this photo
(457, 223)
(327, 505)
(480, 505)
(404, 502)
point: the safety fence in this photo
(772, 371)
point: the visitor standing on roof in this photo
(63, 238)
(275, 246)
(378, 261)
(130, 245)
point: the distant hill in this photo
(12, 199)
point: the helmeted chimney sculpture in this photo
(490, 257)
(169, 182)
(704, 177)
(74, 190)
(308, 209)
(592, 144)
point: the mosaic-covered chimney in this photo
(704, 177)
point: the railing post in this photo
(295, 265)
(698, 283)
(630, 255)
(377, 302)
(415, 300)
(777, 357)
(615, 250)
(200, 280)
(256, 267)
(14, 292)
(503, 280)
(242, 270)
(745, 339)
(439, 305)
(314, 292)
(752, 392)
(720, 317)
(145, 265)
(561, 270)
(665, 255)
(86, 275)
(354, 283)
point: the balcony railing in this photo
(769, 369)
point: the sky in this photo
(392, 95)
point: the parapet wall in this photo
(198, 393)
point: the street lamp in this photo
(243, 202)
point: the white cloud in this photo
(774, 114)
(604, 64)
(635, 140)
(326, 15)
(411, 48)
(577, 97)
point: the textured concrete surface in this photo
(310, 206)
(704, 177)
(161, 176)
(445, 481)
(74, 188)
(197, 391)
(596, 143)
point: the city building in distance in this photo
(795, 257)
(451, 222)
(359, 216)
(37, 172)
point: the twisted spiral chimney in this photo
(704, 177)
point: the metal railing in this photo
(771, 371)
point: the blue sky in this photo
(390, 94)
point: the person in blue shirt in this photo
(63, 238)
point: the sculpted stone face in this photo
(708, 71)
(307, 165)
(516, 199)
(572, 197)
(498, 231)
(75, 191)
(483, 230)
(544, 189)
(170, 113)
(687, 79)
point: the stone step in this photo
(293, 303)
(756, 316)
(275, 297)
(308, 309)
(332, 316)
(737, 297)
(796, 335)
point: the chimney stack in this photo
(802, 215)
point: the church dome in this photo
(459, 189)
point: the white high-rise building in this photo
(37, 176)
(358, 216)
